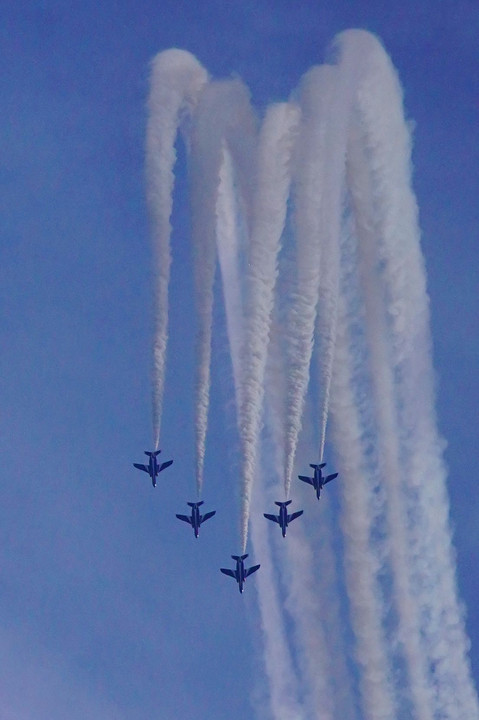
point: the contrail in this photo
(387, 443)
(383, 396)
(275, 147)
(314, 225)
(358, 487)
(309, 602)
(229, 259)
(325, 96)
(315, 98)
(429, 555)
(176, 81)
(283, 683)
(228, 103)
(278, 664)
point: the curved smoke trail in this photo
(382, 397)
(283, 693)
(228, 103)
(335, 175)
(176, 81)
(315, 99)
(425, 553)
(275, 147)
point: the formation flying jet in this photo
(318, 480)
(153, 468)
(195, 519)
(240, 573)
(283, 519)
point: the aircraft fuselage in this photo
(195, 520)
(240, 573)
(283, 519)
(153, 469)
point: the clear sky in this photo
(109, 608)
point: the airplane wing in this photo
(274, 518)
(185, 518)
(306, 479)
(166, 464)
(295, 515)
(207, 516)
(141, 467)
(227, 571)
(251, 570)
(330, 477)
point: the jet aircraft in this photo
(283, 519)
(240, 573)
(153, 468)
(195, 519)
(318, 480)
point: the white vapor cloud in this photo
(311, 217)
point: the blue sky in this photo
(108, 607)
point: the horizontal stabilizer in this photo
(207, 516)
(251, 570)
(196, 504)
(185, 518)
(280, 504)
(227, 571)
(295, 515)
(331, 477)
(318, 466)
(306, 479)
(271, 517)
(166, 464)
(140, 467)
(239, 557)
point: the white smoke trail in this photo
(275, 147)
(278, 664)
(229, 259)
(387, 443)
(283, 682)
(303, 603)
(429, 556)
(383, 405)
(375, 365)
(331, 208)
(325, 97)
(315, 99)
(228, 103)
(176, 81)
(358, 515)
(312, 604)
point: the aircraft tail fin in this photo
(280, 504)
(239, 557)
(317, 466)
(195, 504)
